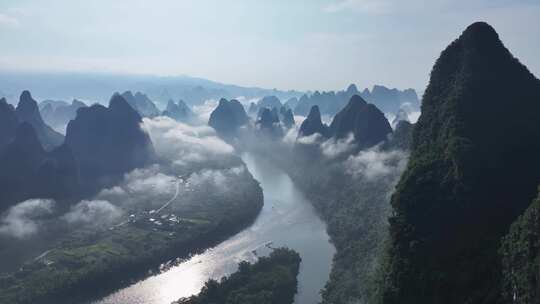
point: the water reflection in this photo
(287, 219)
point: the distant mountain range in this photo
(57, 114)
(178, 111)
(330, 103)
(94, 88)
(97, 88)
(367, 125)
(141, 103)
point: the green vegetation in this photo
(474, 168)
(271, 280)
(353, 201)
(355, 209)
(89, 263)
(520, 253)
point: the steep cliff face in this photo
(108, 142)
(8, 123)
(520, 254)
(28, 171)
(313, 124)
(228, 117)
(401, 138)
(474, 167)
(27, 111)
(268, 119)
(101, 145)
(364, 121)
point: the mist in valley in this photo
(332, 152)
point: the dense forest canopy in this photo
(474, 168)
(271, 280)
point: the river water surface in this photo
(287, 219)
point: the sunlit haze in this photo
(303, 45)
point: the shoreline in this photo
(90, 283)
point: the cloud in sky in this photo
(390, 42)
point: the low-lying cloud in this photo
(188, 148)
(291, 134)
(310, 140)
(143, 187)
(184, 144)
(203, 111)
(23, 220)
(213, 177)
(148, 188)
(186, 170)
(149, 179)
(374, 164)
(333, 148)
(93, 213)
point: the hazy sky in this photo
(287, 44)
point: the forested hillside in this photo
(271, 280)
(474, 168)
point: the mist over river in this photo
(287, 219)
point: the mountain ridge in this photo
(452, 204)
(27, 110)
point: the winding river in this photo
(287, 219)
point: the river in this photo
(287, 219)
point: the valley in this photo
(269, 152)
(140, 242)
(287, 219)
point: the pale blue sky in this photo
(287, 44)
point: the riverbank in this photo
(286, 220)
(355, 204)
(355, 207)
(271, 279)
(91, 264)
